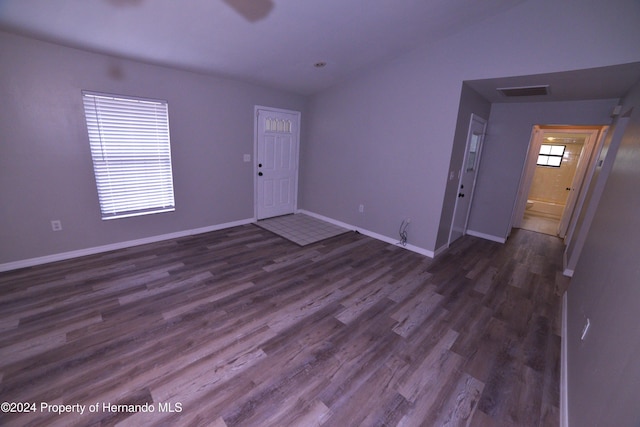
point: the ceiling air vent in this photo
(524, 91)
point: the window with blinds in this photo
(131, 154)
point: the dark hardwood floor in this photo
(240, 327)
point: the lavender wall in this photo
(385, 138)
(45, 164)
(576, 239)
(367, 143)
(603, 369)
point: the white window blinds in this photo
(131, 154)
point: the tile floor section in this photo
(540, 224)
(300, 228)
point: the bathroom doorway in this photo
(560, 160)
(552, 180)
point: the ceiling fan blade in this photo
(251, 10)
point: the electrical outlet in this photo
(56, 225)
(361, 208)
(246, 157)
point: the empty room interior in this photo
(323, 212)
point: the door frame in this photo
(583, 174)
(256, 111)
(581, 179)
(481, 120)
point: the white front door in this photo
(467, 175)
(276, 161)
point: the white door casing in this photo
(276, 161)
(526, 177)
(467, 177)
(583, 174)
(587, 184)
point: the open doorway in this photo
(553, 177)
(560, 161)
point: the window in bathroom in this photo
(551, 155)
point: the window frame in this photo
(130, 147)
(546, 156)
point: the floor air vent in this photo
(524, 91)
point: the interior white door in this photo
(586, 164)
(467, 174)
(276, 160)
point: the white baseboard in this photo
(486, 236)
(369, 233)
(565, 262)
(130, 243)
(564, 390)
(120, 245)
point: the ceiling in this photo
(277, 42)
(271, 42)
(593, 83)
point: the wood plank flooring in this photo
(239, 327)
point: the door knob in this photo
(460, 195)
(259, 173)
(259, 165)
